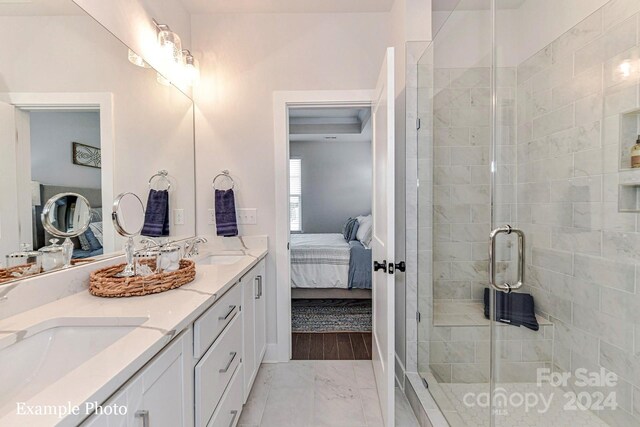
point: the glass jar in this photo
(52, 256)
(25, 256)
(146, 262)
(169, 259)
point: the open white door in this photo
(9, 221)
(382, 241)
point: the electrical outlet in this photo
(178, 216)
(247, 216)
(211, 217)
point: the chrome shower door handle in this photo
(505, 287)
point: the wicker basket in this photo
(16, 272)
(102, 283)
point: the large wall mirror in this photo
(76, 116)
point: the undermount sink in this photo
(220, 259)
(51, 350)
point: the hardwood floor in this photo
(331, 346)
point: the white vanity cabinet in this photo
(203, 377)
(254, 323)
(159, 395)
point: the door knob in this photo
(401, 266)
(380, 266)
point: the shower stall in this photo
(528, 111)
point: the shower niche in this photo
(629, 179)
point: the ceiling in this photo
(449, 5)
(330, 124)
(286, 6)
(39, 8)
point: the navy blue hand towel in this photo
(225, 204)
(156, 216)
(515, 309)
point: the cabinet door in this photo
(248, 322)
(260, 314)
(162, 395)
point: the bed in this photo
(328, 261)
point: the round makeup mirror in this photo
(128, 215)
(66, 215)
(128, 220)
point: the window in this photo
(295, 195)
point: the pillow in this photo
(346, 229)
(349, 229)
(96, 228)
(84, 241)
(94, 243)
(364, 230)
(354, 230)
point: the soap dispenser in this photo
(635, 154)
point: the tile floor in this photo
(319, 393)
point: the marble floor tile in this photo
(288, 407)
(312, 394)
(338, 405)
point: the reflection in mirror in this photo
(77, 117)
(66, 215)
(128, 219)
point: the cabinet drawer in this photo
(215, 369)
(228, 412)
(209, 326)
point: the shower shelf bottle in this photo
(635, 154)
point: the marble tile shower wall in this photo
(583, 255)
(461, 177)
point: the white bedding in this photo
(319, 261)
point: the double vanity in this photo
(184, 357)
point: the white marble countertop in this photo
(167, 314)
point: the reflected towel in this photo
(514, 309)
(156, 216)
(225, 204)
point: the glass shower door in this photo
(454, 212)
(565, 114)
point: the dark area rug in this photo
(330, 315)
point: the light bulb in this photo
(191, 68)
(136, 59)
(170, 45)
(625, 69)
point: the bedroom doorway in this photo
(330, 200)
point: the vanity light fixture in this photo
(170, 44)
(191, 68)
(136, 59)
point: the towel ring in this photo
(161, 175)
(224, 174)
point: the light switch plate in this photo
(211, 217)
(178, 216)
(248, 216)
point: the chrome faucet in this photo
(191, 247)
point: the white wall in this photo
(245, 58)
(463, 37)
(336, 182)
(52, 134)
